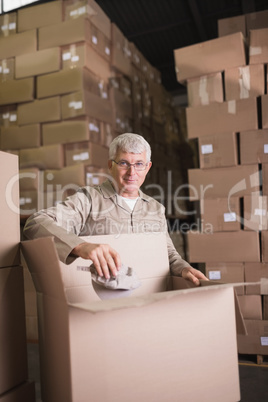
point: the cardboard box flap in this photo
(264, 286)
(44, 266)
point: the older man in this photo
(117, 206)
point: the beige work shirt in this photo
(100, 210)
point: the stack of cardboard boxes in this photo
(226, 81)
(71, 82)
(14, 384)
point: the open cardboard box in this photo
(154, 345)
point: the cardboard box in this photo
(219, 150)
(209, 57)
(95, 176)
(240, 246)
(84, 103)
(232, 116)
(24, 392)
(37, 63)
(71, 80)
(44, 157)
(64, 33)
(258, 51)
(264, 173)
(251, 306)
(29, 203)
(227, 272)
(21, 43)
(244, 82)
(65, 369)
(10, 220)
(16, 137)
(30, 179)
(265, 307)
(255, 342)
(87, 153)
(79, 55)
(13, 347)
(16, 91)
(253, 273)
(39, 15)
(121, 53)
(254, 146)
(264, 244)
(257, 20)
(7, 69)
(205, 90)
(220, 215)
(8, 115)
(8, 24)
(39, 111)
(227, 26)
(255, 212)
(70, 177)
(228, 182)
(65, 132)
(264, 111)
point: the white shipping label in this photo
(214, 275)
(76, 105)
(81, 157)
(231, 106)
(254, 50)
(12, 25)
(13, 117)
(265, 148)
(75, 58)
(229, 217)
(260, 212)
(264, 340)
(93, 127)
(207, 149)
(107, 50)
(66, 56)
(94, 39)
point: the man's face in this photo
(128, 181)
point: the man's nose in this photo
(131, 169)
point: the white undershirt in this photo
(130, 202)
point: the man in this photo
(117, 206)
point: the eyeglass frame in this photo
(130, 164)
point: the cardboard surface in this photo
(227, 26)
(132, 345)
(228, 273)
(39, 111)
(87, 153)
(251, 306)
(254, 146)
(256, 340)
(37, 63)
(241, 246)
(220, 214)
(10, 219)
(21, 43)
(255, 212)
(65, 132)
(16, 91)
(28, 136)
(253, 273)
(39, 15)
(264, 111)
(45, 157)
(258, 52)
(205, 90)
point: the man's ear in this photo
(110, 162)
(149, 166)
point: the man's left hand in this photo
(193, 275)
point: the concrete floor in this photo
(253, 377)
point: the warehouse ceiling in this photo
(157, 27)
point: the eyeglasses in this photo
(126, 165)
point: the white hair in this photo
(129, 142)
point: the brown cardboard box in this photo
(95, 176)
(257, 20)
(45, 157)
(16, 137)
(71, 80)
(23, 392)
(253, 273)
(65, 132)
(29, 179)
(219, 150)
(39, 111)
(39, 15)
(205, 90)
(16, 91)
(227, 272)
(264, 110)
(235, 115)
(8, 24)
(10, 221)
(37, 63)
(21, 43)
(258, 51)
(254, 146)
(264, 172)
(240, 246)
(72, 324)
(255, 212)
(227, 26)
(264, 244)
(211, 56)
(265, 307)
(64, 33)
(29, 203)
(121, 103)
(121, 53)
(87, 153)
(7, 69)
(8, 115)
(79, 55)
(84, 103)
(90, 8)
(255, 342)
(228, 182)
(244, 82)
(13, 363)
(220, 215)
(70, 177)
(251, 306)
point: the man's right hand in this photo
(105, 259)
